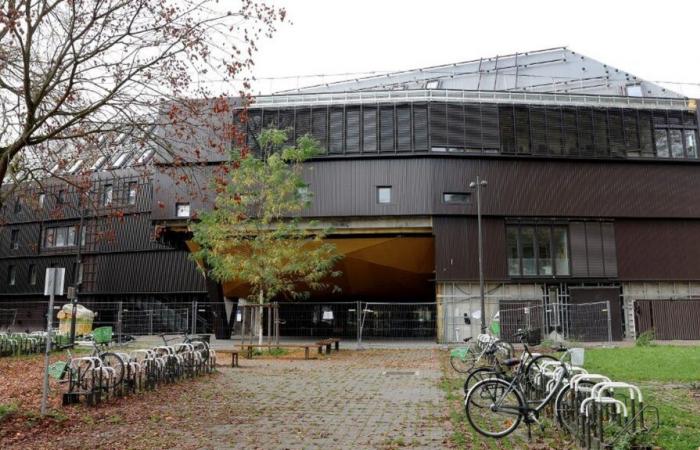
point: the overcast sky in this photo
(653, 40)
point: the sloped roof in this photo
(555, 70)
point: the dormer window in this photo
(99, 163)
(74, 168)
(145, 157)
(634, 90)
(432, 84)
(121, 159)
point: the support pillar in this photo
(215, 291)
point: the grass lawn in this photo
(669, 377)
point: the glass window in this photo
(14, 239)
(182, 209)
(107, 195)
(71, 236)
(676, 143)
(32, 274)
(512, 245)
(304, 194)
(527, 248)
(61, 237)
(384, 194)
(61, 197)
(691, 143)
(18, 207)
(42, 199)
(455, 197)
(11, 275)
(544, 251)
(50, 237)
(561, 250)
(83, 232)
(132, 192)
(661, 138)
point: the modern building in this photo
(592, 196)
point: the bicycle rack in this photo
(92, 381)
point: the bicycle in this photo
(528, 362)
(495, 406)
(100, 363)
(463, 359)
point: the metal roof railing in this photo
(460, 96)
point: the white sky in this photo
(653, 40)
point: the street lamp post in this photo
(478, 185)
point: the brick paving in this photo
(355, 399)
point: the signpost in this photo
(53, 285)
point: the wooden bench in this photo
(249, 348)
(234, 355)
(328, 343)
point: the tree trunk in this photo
(261, 300)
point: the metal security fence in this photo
(398, 320)
(7, 318)
(556, 321)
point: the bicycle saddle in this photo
(510, 362)
(467, 339)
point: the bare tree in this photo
(76, 76)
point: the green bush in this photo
(645, 339)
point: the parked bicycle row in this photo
(502, 391)
(16, 344)
(107, 372)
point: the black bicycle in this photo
(496, 406)
(502, 367)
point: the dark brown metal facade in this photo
(668, 319)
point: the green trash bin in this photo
(102, 335)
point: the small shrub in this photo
(278, 351)
(7, 411)
(645, 339)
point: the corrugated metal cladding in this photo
(23, 268)
(456, 248)
(592, 249)
(516, 188)
(61, 202)
(658, 249)
(143, 272)
(669, 319)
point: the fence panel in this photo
(318, 319)
(398, 320)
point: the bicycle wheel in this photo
(504, 350)
(566, 408)
(493, 408)
(116, 362)
(534, 388)
(463, 359)
(476, 375)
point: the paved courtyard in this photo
(370, 399)
(366, 399)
